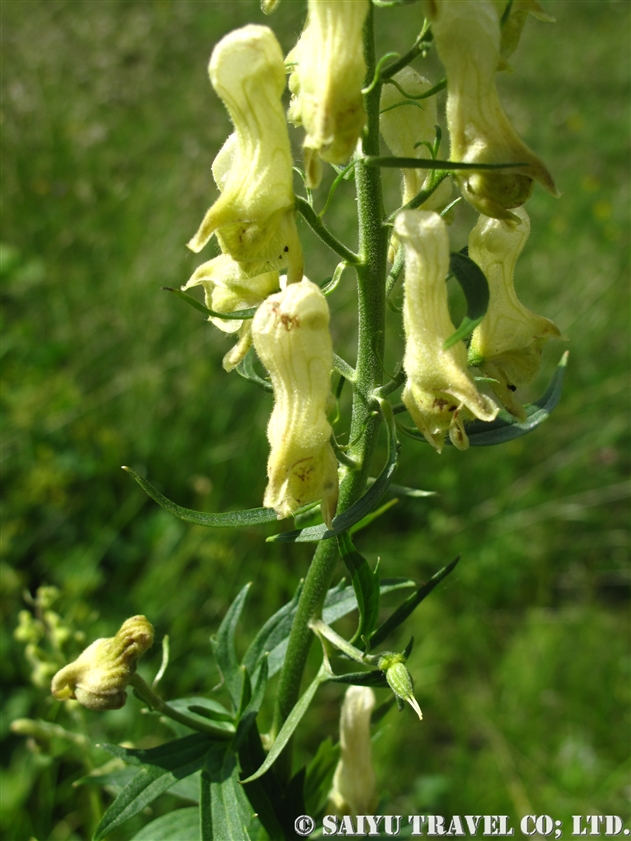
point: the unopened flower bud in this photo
(254, 215)
(98, 678)
(467, 37)
(353, 791)
(328, 70)
(228, 287)
(268, 7)
(29, 629)
(439, 393)
(291, 336)
(400, 680)
(507, 345)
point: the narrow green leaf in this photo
(232, 519)
(374, 515)
(291, 722)
(160, 768)
(236, 315)
(476, 291)
(246, 369)
(365, 584)
(409, 605)
(223, 647)
(357, 511)
(428, 163)
(225, 811)
(182, 824)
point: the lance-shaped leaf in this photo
(291, 722)
(253, 706)
(232, 519)
(225, 811)
(374, 677)
(161, 768)
(365, 584)
(223, 647)
(246, 369)
(236, 315)
(476, 291)
(409, 605)
(364, 505)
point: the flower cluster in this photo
(253, 220)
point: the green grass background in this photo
(109, 128)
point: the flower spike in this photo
(467, 36)
(439, 393)
(507, 345)
(253, 217)
(291, 336)
(328, 70)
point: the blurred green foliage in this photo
(109, 127)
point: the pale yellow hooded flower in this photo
(353, 791)
(291, 336)
(253, 217)
(327, 74)
(98, 678)
(467, 37)
(507, 345)
(439, 393)
(228, 288)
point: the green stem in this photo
(371, 272)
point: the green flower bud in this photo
(98, 678)
(326, 82)
(353, 791)
(467, 37)
(439, 393)
(269, 6)
(400, 680)
(291, 336)
(46, 596)
(59, 632)
(253, 217)
(507, 345)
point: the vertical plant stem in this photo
(371, 283)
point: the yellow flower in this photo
(328, 70)
(291, 336)
(98, 678)
(507, 344)
(253, 217)
(229, 287)
(439, 393)
(353, 791)
(467, 36)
